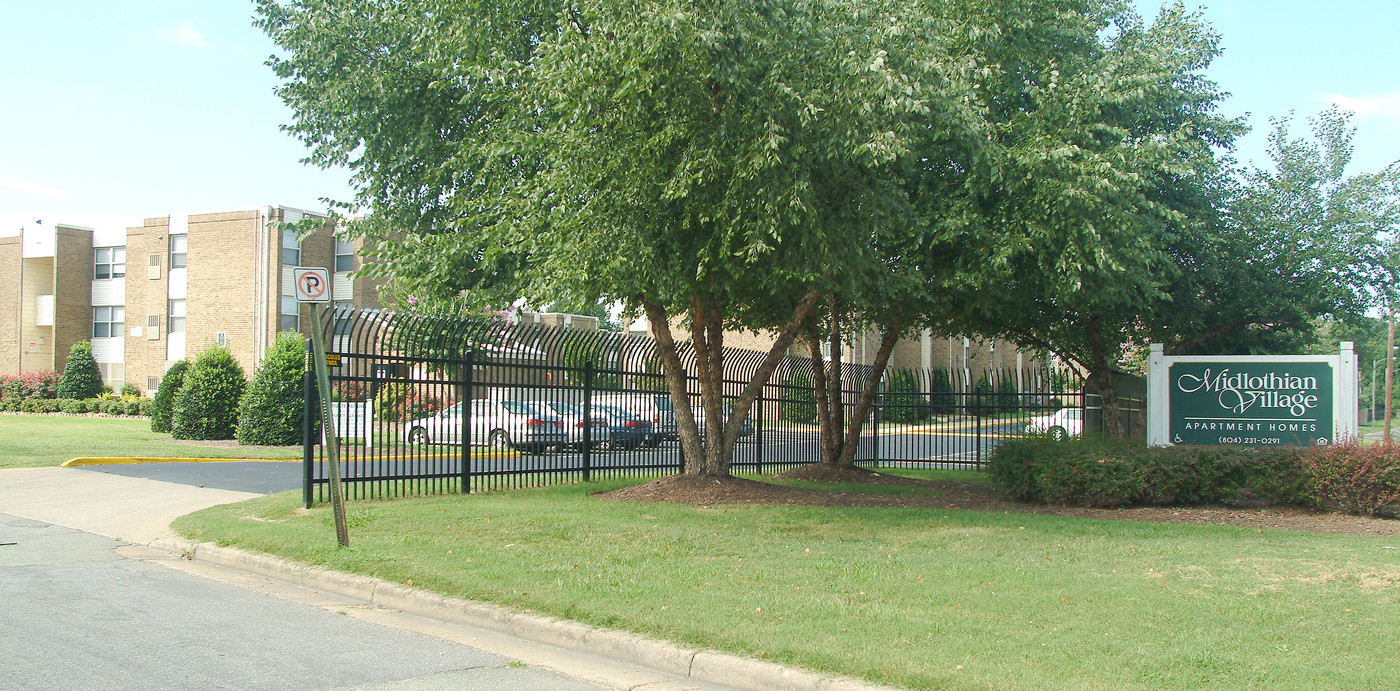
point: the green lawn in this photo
(28, 441)
(915, 598)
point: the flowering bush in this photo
(42, 385)
(349, 391)
(400, 403)
(1355, 479)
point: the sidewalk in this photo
(139, 511)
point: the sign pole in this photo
(328, 430)
(312, 286)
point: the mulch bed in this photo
(973, 496)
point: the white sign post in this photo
(1251, 400)
(313, 286)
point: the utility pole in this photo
(1389, 375)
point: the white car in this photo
(573, 424)
(524, 425)
(1060, 425)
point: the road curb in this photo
(122, 460)
(698, 664)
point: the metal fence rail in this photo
(428, 405)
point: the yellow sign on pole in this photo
(332, 359)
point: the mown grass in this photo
(28, 441)
(910, 597)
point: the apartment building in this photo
(164, 290)
(967, 356)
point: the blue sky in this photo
(114, 111)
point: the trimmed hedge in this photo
(270, 413)
(1101, 473)
(81, 378)
(163, 403)
(207, 405)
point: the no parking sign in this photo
(313, 284)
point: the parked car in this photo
(625, 430)
(572, 416)
(1062, 424)
(522, 425)
(657, 408)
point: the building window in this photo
(177, 316)
(291, 249)
(110, 262)
(344, 255)
(107, 322)
(290, 311)
(178, 244)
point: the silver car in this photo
(524, 425)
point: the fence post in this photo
(308, 425)
(758, 430)
(468, 366)
(978, 397)
(875, 428)
(587, 422)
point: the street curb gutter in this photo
(698, 664)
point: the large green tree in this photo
(678, 156)
(1299, 242)
(1109, 162)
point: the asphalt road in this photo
(79, 615)
(957, 446)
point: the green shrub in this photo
(144, 407)
(113, 407)
(9, 405)
(92, 405)
(131, 407)
(207, 405)
(130, 390)
(902, 401)
(799, 400)
(81, 379)
(40, 405)
(72, 407)
(941, 386)
(163, 403)
(270, 413)
(1094, 472)
(1356, 479)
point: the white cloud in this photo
(183, 35)
(1380, 106)
(32, 189)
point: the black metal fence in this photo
(427, 405)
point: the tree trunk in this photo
(711, 455)
(867, 397)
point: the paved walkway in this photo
(129, 509)
(139, 511)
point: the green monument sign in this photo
(1285, 400)
(1251, 403)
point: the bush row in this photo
(209, 398)
(106, 406)
(1343, 477)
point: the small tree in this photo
(799, 402)
(81, 379)
(903, 402)
(207, 405)
(270, 413)
(163, 402)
